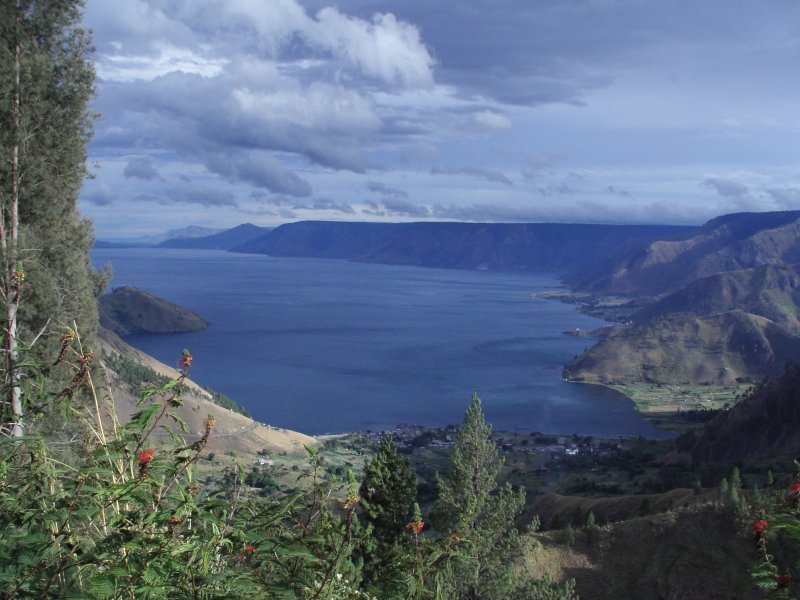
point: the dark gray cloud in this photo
(477, 172)
(727, 188)
(557, 189)
(98, 197)
(379, 188)
(787, 198)
(396, 207)
(260, 169)
(203, 196)
(615, 191)
(141, 167)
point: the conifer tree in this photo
(483, 517)
(46, 83)
(388, 491)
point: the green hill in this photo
(128, 310)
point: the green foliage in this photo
(776, 528)
(126, 518)
(387, 492)
(56, 85)
(482, 517)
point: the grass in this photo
(675, 407)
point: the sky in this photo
(221, 112)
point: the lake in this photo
(326, 346)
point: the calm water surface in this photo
(329, 346)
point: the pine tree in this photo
(46, 281)
(388, 491)
(483, 516)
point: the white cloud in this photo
(489, 119)
(385, 48)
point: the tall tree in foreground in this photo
(46, 281)
(387, 493)
(472, 508)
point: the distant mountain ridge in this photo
(497, 246)
(223, 240)
(727, 243)
(191, 231)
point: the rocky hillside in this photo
(717, 349)
(770, 291)
(727, 243)
(549, 247)
(128, 310)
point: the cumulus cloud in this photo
(384, 47)
(476, 172)
(141, 167)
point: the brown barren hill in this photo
(233, 431)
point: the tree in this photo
(388, 491)
(471, 507)
(46, 281)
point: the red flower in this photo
(760, 527)
(783, 580)
(145, 457)
(250, 549)
(186, 360)
(415, 526)
(794, 489)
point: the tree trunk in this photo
(9, 238)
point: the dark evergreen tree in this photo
(46, 83)
(388, 491)
(483, 517)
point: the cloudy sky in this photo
(219, 112)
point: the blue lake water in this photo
(325, 346)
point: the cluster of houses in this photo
(411, 435)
